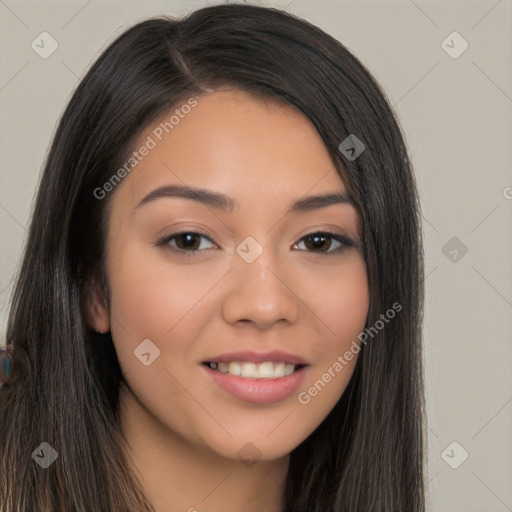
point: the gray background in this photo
(456, 115)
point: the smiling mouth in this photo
(251, 370)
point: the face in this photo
(245, 283)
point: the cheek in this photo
(340, 299)
(153, 298)
(150, 292)
(341, 303)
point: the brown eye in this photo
(187, 242)
(323, 243)
(318, 241)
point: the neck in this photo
(178, 476)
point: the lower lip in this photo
(258, 391)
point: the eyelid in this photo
(345, 241)
(164, 240)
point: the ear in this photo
(96, 311)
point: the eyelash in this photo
(345, 242)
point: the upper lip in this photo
(258, 357)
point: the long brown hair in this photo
(367, 455)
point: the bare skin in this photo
(184, 432)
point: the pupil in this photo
(319, 241)
(189, 238)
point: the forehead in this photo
(232, 141)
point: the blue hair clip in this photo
(7, 366)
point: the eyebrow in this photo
(223, 202)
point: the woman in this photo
(220, 302)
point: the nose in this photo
(260, 293)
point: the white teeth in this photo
(279, 369)
(234, 368)
(265, 370)
(289, 368)
(249, 370)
